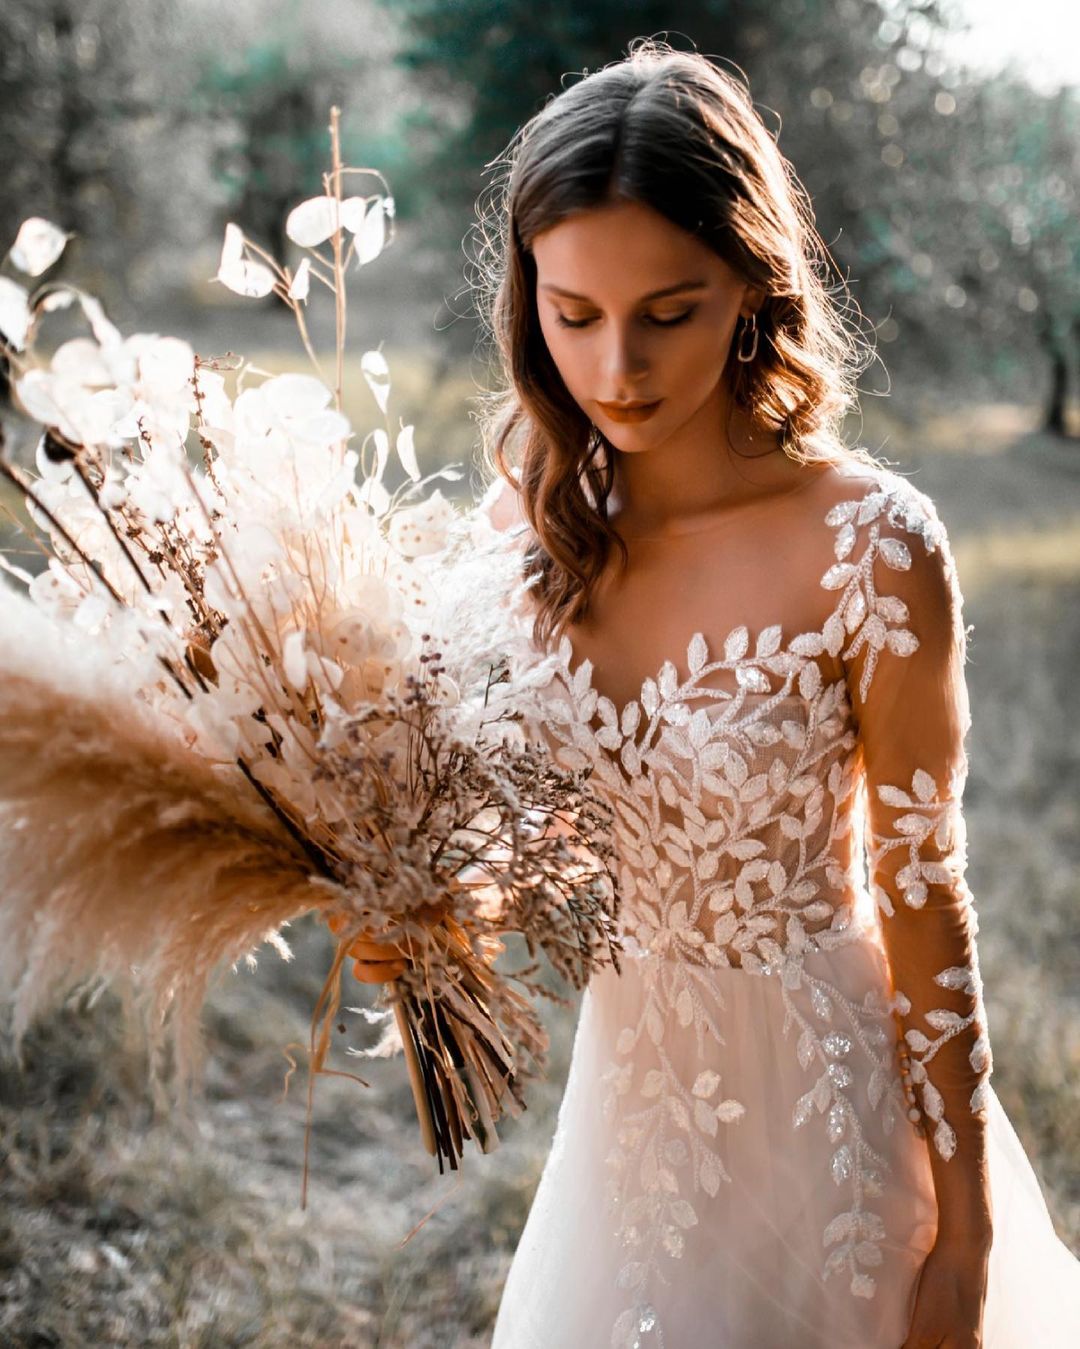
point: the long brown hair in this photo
(674, 132)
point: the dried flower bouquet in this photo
(251, 683)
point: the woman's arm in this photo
(905, 666)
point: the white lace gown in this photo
(735, 1164)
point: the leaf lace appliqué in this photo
(934, 823)
(867, 617)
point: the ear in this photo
(753, 299)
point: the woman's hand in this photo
(377, 960)
(950, 1295)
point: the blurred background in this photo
(940, 143)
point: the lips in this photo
(637, 411)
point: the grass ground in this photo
(119, 1227)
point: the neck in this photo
(716, 459)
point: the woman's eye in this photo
(673, 321)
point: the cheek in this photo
(696, 360)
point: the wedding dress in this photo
(742, 1158)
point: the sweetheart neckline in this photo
(573, 674)
(843, 516)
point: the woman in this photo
(778, 1128)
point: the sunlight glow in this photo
(1040, 37)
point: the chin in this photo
(640, 439)
(634, 445)
(633, 439)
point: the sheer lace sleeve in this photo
(904, 655)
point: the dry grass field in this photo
(119, 1227)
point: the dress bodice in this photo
(736, 778)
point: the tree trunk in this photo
(1076, 349)
(1054, 419)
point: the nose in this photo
(625, 361)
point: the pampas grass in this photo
(126, 857)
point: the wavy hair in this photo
(672, 131)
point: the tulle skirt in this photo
(744, 1270)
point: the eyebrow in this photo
(653, 295)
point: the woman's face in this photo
(636, 310)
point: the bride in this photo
(778, 1128)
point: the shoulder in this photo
(874, 526)
(872, 501)
(892, 568)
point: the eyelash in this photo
(659, 323)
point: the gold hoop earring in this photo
(749, 326)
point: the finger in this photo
(373, 980)
(373, 951)
(379, 972)
(382, 962)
